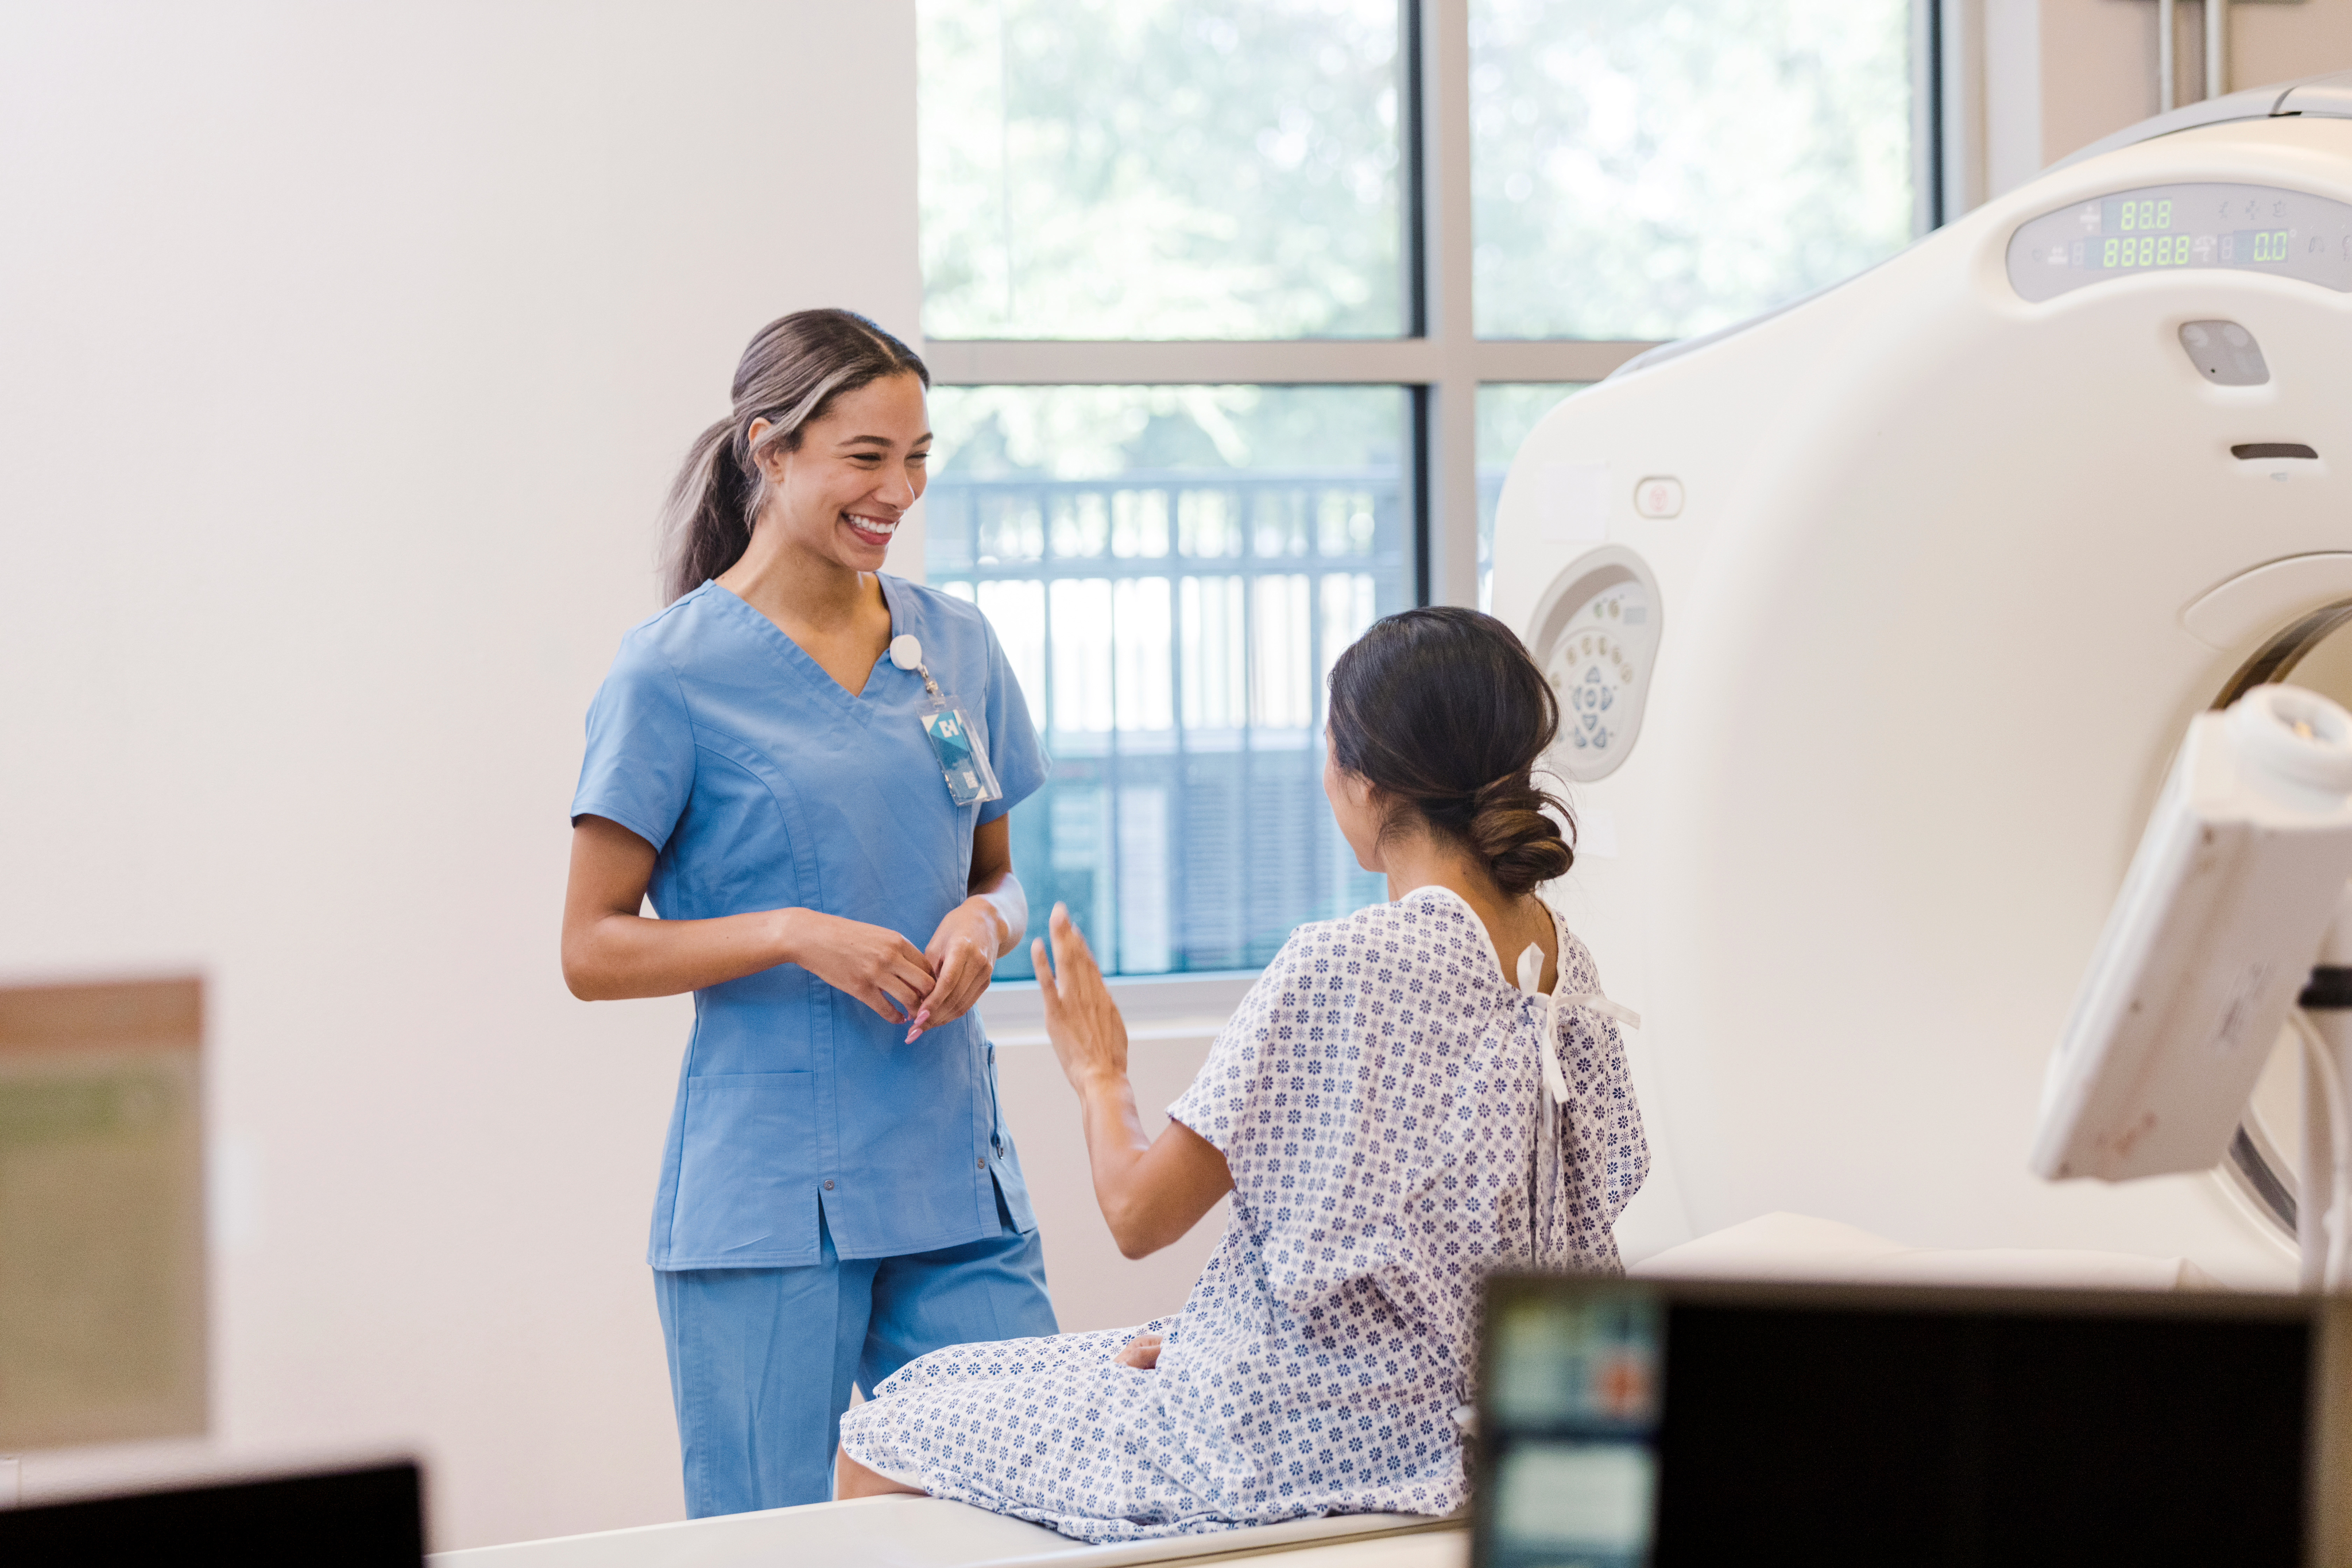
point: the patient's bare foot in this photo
(1142, 1351)
(851, 1479)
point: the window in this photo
(1657, 170)
(1141, 169)
(1239, 309)
(1172, 570)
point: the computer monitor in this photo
(1625, 1423)
(2207, 944)
(366, 1518)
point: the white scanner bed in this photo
(924, 1532)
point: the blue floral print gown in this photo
(1380, 1102)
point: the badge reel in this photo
(962, 756)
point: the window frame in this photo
(1440, 360)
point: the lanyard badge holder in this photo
(962, 756)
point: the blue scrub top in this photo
(762, 784)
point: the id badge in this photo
(963, 759)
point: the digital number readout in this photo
(2147, 250)
(2255, 245)
(2148, 215)
(2179, 250)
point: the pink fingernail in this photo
(920, 1019)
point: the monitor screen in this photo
(1624, 1423)
(370, 1518)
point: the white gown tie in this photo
(1549, 1177)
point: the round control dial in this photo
(1592, 671)
(1595, 637)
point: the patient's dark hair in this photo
(1447, 715)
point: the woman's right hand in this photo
(872, 963)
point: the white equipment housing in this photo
(1935, 568)
(2209, 942)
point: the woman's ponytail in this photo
(790, 374)
(705, 522)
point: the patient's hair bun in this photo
(1442, 710)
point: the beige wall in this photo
(2278, 42)
(2096, 70)
(1093, 1286)
(349, 349)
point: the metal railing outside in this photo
(1173, 631)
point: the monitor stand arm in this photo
(2324, 1019)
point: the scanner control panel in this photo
(1596, 637)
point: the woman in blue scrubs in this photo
(838, 1193)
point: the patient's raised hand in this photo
(1090, 1036)
(1142, 1351)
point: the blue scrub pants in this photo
(762, 1360)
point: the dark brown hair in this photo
(1447, 715)
(790, 375)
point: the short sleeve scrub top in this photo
(807, 1132)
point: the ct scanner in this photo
(1877, 621)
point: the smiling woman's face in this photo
(841, 493)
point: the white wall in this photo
(348, 350)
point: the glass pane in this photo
(1172, 570)
(1651, 169)
(1508, 411)
(1159, 168)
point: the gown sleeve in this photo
(1229, 1102)
(1322, 1125)
(1609, 1157)
(639, 768)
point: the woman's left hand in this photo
(1142, 1351)
(962, 954)
(1090, 1036)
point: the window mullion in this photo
(1451, 437)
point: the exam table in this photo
(926, 1533)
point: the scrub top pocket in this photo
(744, 1199)
(1005, 1160)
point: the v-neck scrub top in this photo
(762, 784)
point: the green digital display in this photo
(2291, 234)
(2147, 214)
(2147, 250)
(2256, 245)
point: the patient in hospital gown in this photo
(1380, 1105)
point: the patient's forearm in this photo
(1152, 1190)
(1115, 1149)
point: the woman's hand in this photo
(962, 952)
(1142, 1351)
(872, 963)
(1090, 1036)
(1152, 1190)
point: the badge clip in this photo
(962, 755)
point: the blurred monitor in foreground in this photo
(101, 1214)
(1703, 1423)
(368, 1518)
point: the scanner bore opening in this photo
(2315, 652)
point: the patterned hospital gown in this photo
(1376, 1099)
